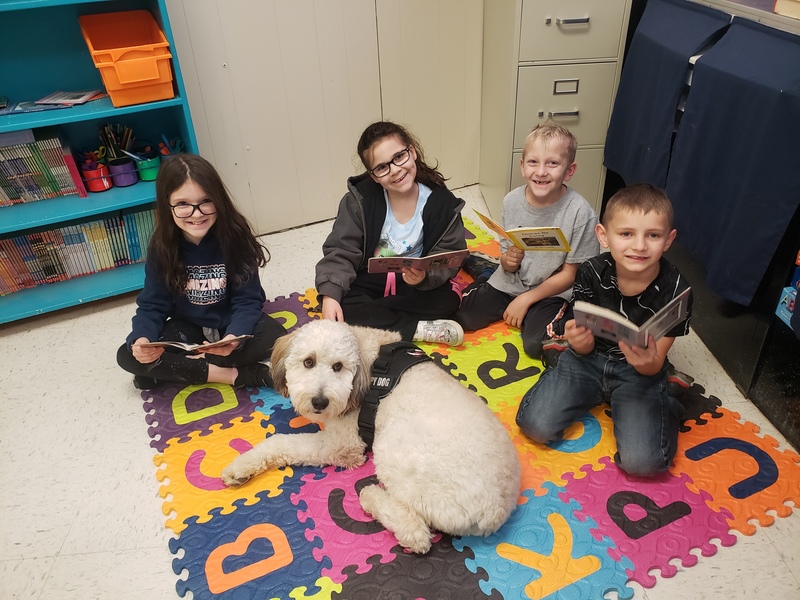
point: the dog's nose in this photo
(319, 402)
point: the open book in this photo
(442, 260)
(530, 238)
(196, 347)
(613, 326)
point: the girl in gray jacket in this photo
(399, 207)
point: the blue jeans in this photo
(646, 418)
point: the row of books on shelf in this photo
(44, 257)
(36, 165)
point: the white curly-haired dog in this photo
(443, 460)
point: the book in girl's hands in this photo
(530, 239)
(395, 264)
(197, 348)
(613, 326)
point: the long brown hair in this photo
(244, 254)
(377, 131)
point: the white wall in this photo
(280, 90)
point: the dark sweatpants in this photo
(366, 305)
(483, 305)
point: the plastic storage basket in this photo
(132, 54)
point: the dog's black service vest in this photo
(393, 360)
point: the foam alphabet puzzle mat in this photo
(582, 527)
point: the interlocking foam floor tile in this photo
(547, 552)
(347, 534)
(650, 520)
(742, 471)
(499, 369)
(291, 311)
(696, 406)
(440, 574)
(254, 553)
(175, 410)
(192, 472)
(585, 442)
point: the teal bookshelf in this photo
(60, 60)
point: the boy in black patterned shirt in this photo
(635, 280)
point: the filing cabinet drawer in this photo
(570, 29)
(587, 181)
(577, 96)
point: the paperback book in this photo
(196, 348)
(395, 264)
(530, 239)
(613, 326)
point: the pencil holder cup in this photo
(148, 168)
(123, 172)
(97, 180)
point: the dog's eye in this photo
(308, 363)
(336, 367)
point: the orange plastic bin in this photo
(132, 54)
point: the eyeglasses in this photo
(186, 210)
(401, 158)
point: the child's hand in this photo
(580, 339)
(222, 350)
(413, 276)
(516, 310)
(145, 355)
(331, 309)
(645, 360)
(512, 259)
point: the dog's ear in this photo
(361, 382)
(278, 368)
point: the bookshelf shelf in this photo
(60, 60)
(55, 296)
(97, 110)
(68, 208)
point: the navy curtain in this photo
(642, 122)
(734, 178)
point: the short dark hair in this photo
(639, 198)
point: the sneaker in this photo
(551, 351)
(256, 375)
(678, 382)
(440, 331)
(140, 382)
(480, 265)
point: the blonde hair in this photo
(548, 131)
(639, 198)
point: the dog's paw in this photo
(409, 529)
(417, 544)
(239, 471)
(231, 478)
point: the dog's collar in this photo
(393, 360)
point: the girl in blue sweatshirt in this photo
(201, 285)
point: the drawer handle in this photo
(563, 113)
(580, 21)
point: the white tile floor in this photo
(81, 517)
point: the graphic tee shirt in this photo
(403, 239)
(596, 282)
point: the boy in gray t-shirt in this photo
(531, 290)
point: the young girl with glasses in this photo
(399, 207)
(201, 285)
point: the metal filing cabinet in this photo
(556, 59)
